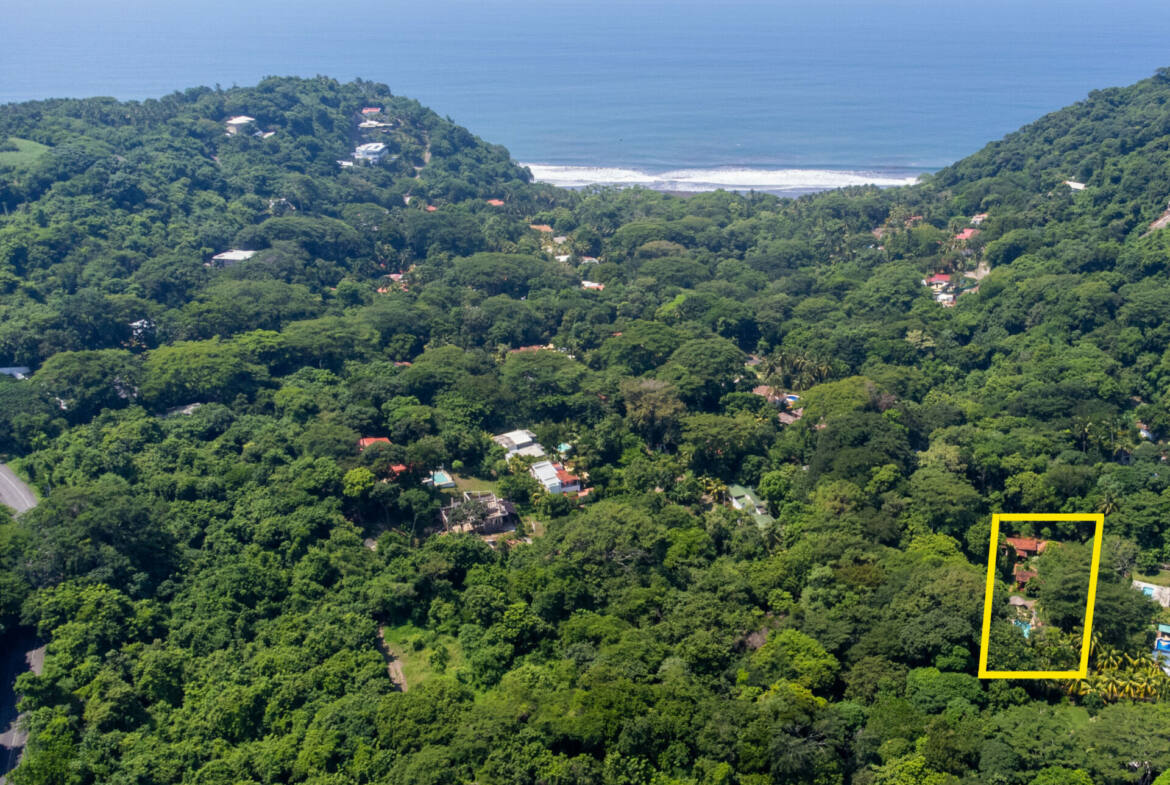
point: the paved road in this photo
(17, 655)
(15, 493)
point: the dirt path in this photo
(1159, 223)
(426, 156)
(393, 664)
(980, 272)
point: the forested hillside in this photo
(222, 572)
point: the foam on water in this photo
(780, 181)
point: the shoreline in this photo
(779, 181)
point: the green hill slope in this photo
(222, 569)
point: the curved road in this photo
(14, 493)
(15, 654)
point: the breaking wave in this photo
(778, 181)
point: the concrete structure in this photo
(481, 512)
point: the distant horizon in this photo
(911, 86)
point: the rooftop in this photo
(235, 255)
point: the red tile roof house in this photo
(937, 282)
(371, 110)
(496, 202)
(966, 234)
(366, 441)
(1027, 547)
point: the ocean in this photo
(787, 96)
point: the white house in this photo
(228, 258)
(555, 478)
(520, 443)
(238, 123)
(373, 151)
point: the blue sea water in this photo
(687, 94)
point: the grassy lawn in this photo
(416, 666)
(1162, 578)
(26, 153)
(473, 484)
(536, 528)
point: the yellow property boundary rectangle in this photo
(1099, 529)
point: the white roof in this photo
(1075, 185)
(19, 371)
(234, 256)
(545, 473)
(242, 119)
(515, 439)
(371, 147)
(531, 451)
(564, 257)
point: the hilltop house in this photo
(366, 441)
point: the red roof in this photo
(371, 110)
(496, 202)
(366, 441)
(398, 468)
(431, 208)
(1023, 576)
(966, 234)
(565, 477)
(939, 278)
(1027, 544)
